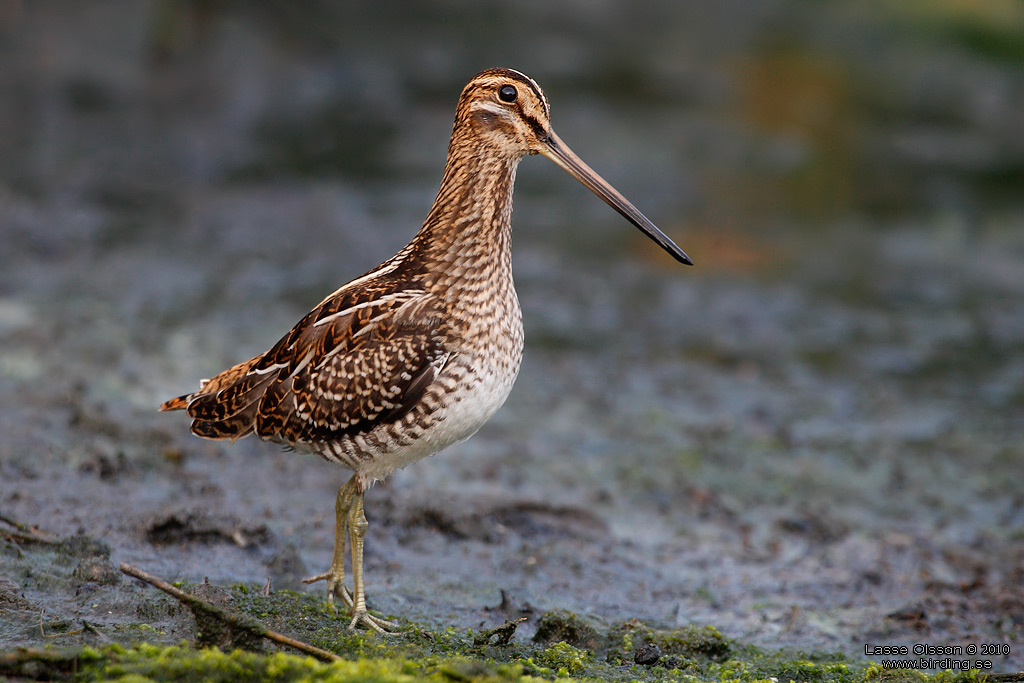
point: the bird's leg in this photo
(357, 526)
(335, 577)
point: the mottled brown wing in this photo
(355, 361)
(352, 392)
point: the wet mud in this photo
(813, 439)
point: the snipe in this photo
(421, 351)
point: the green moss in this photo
(177, 663)
(563, 626)
(802, 670)
(568, 647)
(688, 642)
(561, 661)
(565, 659)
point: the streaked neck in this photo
(469, 226)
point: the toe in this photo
(377, 624)
(335, 587)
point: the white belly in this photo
(468, 410)
(468, 394)
(465, 394)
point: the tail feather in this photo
(233, 428)
(225, 406)
(233, 400)
(180, 403)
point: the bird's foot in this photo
(378, 624)
(335, 586)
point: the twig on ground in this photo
(24, 533)
(92, 629)
(44, 634)
(230, 619)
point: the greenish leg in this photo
(335, 577)
(357, 526)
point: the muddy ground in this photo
(812, 439)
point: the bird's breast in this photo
(486, 353)
(483, 368)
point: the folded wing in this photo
(357, 360)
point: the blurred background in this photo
(813, 438)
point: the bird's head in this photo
(506, 112)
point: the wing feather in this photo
(363, 357)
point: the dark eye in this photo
(507, 94)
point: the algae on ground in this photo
(143, 663)
(597, 653)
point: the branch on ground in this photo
(205, 612)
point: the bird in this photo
(418, 353)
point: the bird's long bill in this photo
(564, 157)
